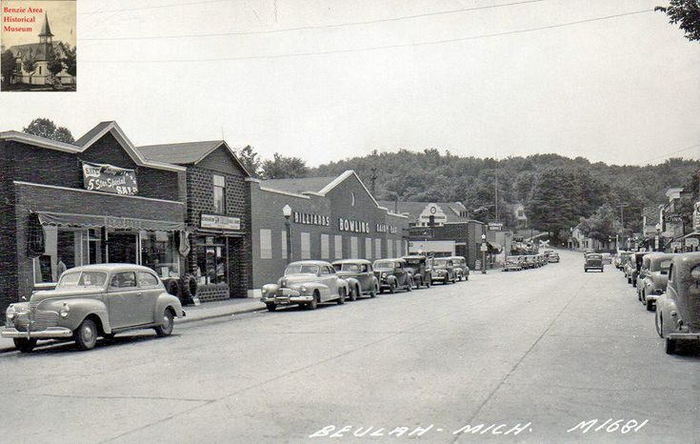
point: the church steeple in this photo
(46, 35)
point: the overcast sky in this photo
(623, 90)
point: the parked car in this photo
(93, 301)
(443, 270)
(393, 274)
(461, 267)
(607, 258)
(653, 278)
(594, 261)
(553, 257)
(678, 310)
(359, 275)
(417, 265)
(512, 264)
(307, 284)
(528, 261)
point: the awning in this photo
(495, 247)
(93, 221)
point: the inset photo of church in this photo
(38, 45)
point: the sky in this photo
(475, 77)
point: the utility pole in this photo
(373, 181)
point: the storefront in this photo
(93, 202)
(218, 216)
(324, 218)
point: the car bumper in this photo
(693, 336)
(288, 297)
(49, 333)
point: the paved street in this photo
(539, 351)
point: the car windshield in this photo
(413, 261)
(595, 257)
(440, 262)
(82, 279)
(355, 268)
(384, 264)
(301, 268)
(664, 266)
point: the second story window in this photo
(219, 194)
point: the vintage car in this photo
(461, 267)
(443, 270)
(529, 261)
(607, 258)
(418, 266)
(594, 261)
(553, 257)
(307, 284)
(623, 258)
(359, 275)
(92, 301)
(653, 277)
(513, 263)
(393, 274)
(678, 310)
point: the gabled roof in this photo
(187, 153)
(298, 185)
(414, 209)
(87, 140)
(46, 29)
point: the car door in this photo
(363, 277)
(126, 302)
(150, 290)
(400, 273)
(330, 281)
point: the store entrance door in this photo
(123, 247)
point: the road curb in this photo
(187, 320)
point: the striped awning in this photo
(95, 221)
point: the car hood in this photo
(384, 270)
(344, 274)
(297, 279)
(64, 293)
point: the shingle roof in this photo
(179, 153)
(414, 209)
(36, 51)
(92, 133)
(298, 185)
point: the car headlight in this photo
(695, 273)
(302, 289)
(10, 313)
(383, 275)
(65, 310)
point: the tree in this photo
(70, 60)
(685, 12)
(601, 225)
(249, 159)
(55, 66)
(8, 65)
(44, 127)
(281, 167)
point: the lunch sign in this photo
(109, 179)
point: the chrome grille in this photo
(42, 320)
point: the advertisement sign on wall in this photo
(109, 179)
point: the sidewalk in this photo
(220, 309)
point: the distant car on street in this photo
(359, 275)
(393, 274)
(417, 265)
(443, 270)
(607, 258)
(553, 257)
(461, 267)
(307, 284)
(594, 261)
(93, 301)
(635, 266)
(653, 278)
(678, 310)
(513, 263)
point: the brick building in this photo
(329, 218)
(218, 215)
(450, 239)
(95, 201)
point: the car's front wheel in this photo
(392, 288)
(341, 296)
(671, 346)
(86, 335)
(168, 322)
(24, 345)
(313, 305)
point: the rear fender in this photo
(164, 301)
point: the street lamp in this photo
(483, 254)
(287, 213)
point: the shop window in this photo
(305, 246)
(325, 246)
(368, 248)
(398, 248)
(212, 261)
(64, 248)
(353, 247)
(338, 246)
(389, 249)
(219, 194)
(159, 253)
(284, 244)
(378, 248)
(266, 244)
